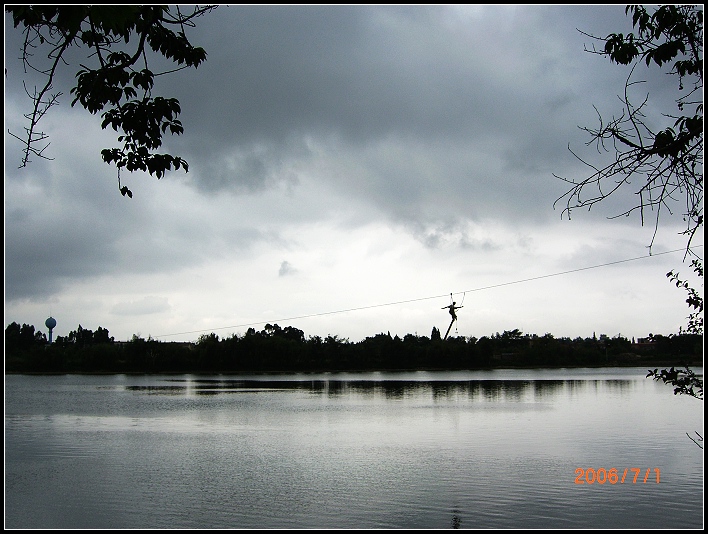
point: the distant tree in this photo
(40, 338)
(12, 336)
(81, 336)
(208, 339)
(294, 334)
(271, 330)
(210, 352)
(115, 78)
(435, 334)
(101, 335)
(25, 337)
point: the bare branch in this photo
(667, 164)
(699, 441)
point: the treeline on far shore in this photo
(276, 349)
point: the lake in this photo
(563, 448)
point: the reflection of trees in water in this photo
(158, 390)
(492, 390)
(619, 386)
(395, 392)
(515, 389)
(575, 387)
(448, 390)
(456, 519)
(335, 388)
(488, 390)
(509, 390)
(547, 388)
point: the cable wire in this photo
(399, 302)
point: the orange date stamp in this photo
(613, 475)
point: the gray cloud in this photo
(286, 269)
(422, 105)
(426, 101)
(66, 221)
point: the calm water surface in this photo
(483, 449)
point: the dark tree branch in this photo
(667, 163)
(114, 84)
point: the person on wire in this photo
(452, 309)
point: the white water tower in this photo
(50, 323)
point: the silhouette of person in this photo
(452, 309)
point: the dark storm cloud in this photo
(366, 72)
(467, 91)
(480, 106)
(433, 114)
(66, 222)
(42, 254)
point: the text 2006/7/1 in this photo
(612, 476)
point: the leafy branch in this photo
(694, 300)
(119, 83)
(685, 381)
(666, 163)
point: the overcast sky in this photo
(364, 158)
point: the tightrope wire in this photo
(484, 288)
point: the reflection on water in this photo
(547, 388)
(370, 450)
(490, 390)
(456, 521)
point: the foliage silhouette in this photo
(115, 78)
(667, 161)
(694, 300)
(276, 349)
(685, 381)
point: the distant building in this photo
(645, 343)
(50, 323)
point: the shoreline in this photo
(653, 365)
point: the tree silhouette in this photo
(276, 349)
(115, 78)
(666, 162)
